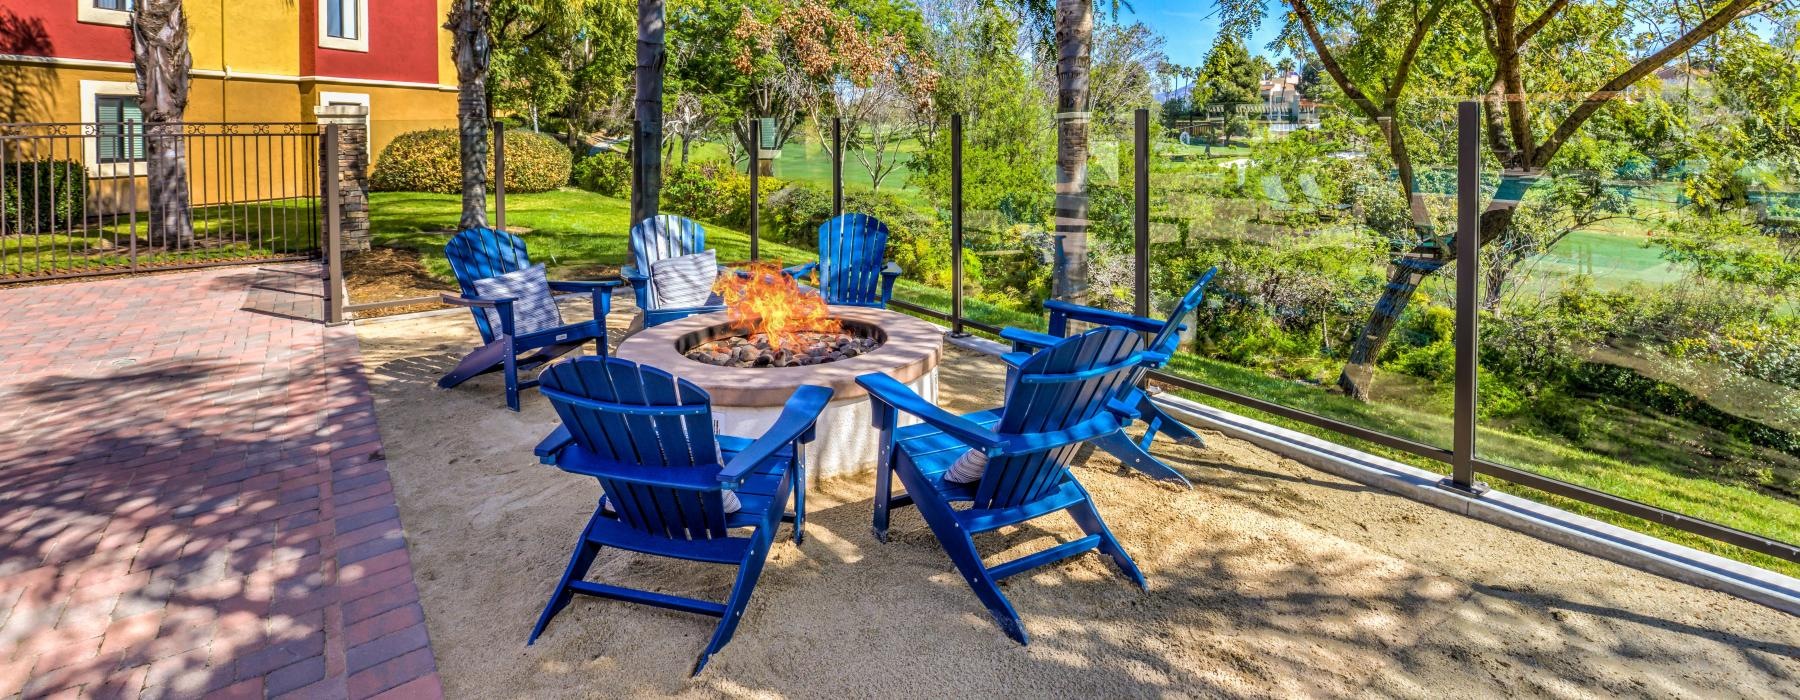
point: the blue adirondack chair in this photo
(1132, 402)
(660, 238)
(479, 253)
(1054, 403)
(853, 266)
(648, 438)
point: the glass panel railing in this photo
(1309, 221)
(1639, 328)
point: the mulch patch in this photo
(379, 274)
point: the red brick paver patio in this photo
(193, 497)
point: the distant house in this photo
(253, 61)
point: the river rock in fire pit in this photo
(803, 349)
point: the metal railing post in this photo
(956, 227)
(1468, 285)
(334, 260)
(837, 166)
(500, 175)
(755, 185)
(1140, 213)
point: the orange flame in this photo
(764, 300)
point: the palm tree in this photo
(468, 20)
(646, 151)
(159, 53)
(1074, 43)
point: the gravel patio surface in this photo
(1268, 579)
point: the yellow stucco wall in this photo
(245, 36)
(446, 41)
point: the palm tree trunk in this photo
(646, 165)
(1074, 30)
(159, 53)
(468, 20)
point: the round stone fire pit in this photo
(746, 400)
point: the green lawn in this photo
(1654, 474)
(221, 233)
(583, 235)
(808, 162)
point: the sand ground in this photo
(1268, 579)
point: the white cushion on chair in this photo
(685, 281)
(533, 309)
(968, 468)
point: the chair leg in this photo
(1089, 520)
(479, 361)
(748, 572)
(961, 548)
(1134, 457)
(512, 381)
(1159, 419)
(579, 562)
(797, 469)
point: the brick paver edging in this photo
(194, 500)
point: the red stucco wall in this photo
(48, 28)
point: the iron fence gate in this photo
(79, 199)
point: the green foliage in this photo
(1229, 78)
(709, 191)
(43, 195)
(606, 172)
(430, 161)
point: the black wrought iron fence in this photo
(80, 199)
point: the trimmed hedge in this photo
(43, 195)
(431, 161)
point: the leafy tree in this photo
(1228, 81)
(159, 53)
(1510, 52)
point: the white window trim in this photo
(86, 12)
(356, 98)
(90, 147)
(360, 43)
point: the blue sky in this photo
(1189, 26)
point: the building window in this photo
(113, 12)
(343, 24)
(119, 125)
(340, 19)
(115, 147)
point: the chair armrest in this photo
(890, 272)
(631, 274)
(795, 424)
(479, 302)
(1015, 359)
(552, 444)
(1067, 310)
(1023, 340)
(891, 392)
(800, 270)
(585, 286)
(503, 307)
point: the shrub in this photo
(431, 161)
(606, 172)
(43, 195)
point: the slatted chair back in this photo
(662, 237)
(1062, 388)
(480, 253)
(1166, 340)
(652, 437)
(852, 252)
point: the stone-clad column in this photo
(353, 171)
